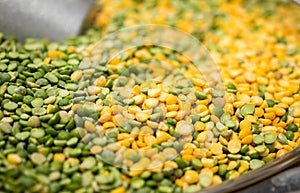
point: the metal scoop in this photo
(55, 20)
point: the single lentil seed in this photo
(270, 138)
(205, 180)
(292, 127)
(260, 148)
(38, 158)
(282, 138)
(258, 139)
(39, 111)
(38, 102)
(37, 133)
(255, 164)
(73, 141)
(138, 183)
(271, 103)
(247, 109)
(289, 135)
(51, 77)
(196, 164)
(10, 106)
(200, 95)
(23, 135)
(5, 127)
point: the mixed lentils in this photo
(147, 121)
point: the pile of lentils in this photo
(146, 122)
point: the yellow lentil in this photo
(191, 177)
(234, 146)
(14, 159)
(60, 157)
(119, 190)
(171, 99)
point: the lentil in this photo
(270, 138)
(10, 106)
(34, 122)
(261, 103)
(293, 127)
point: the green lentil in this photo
(88, 163)
(260, 148)
(270, 138)
(196, 164)
(238, 113)
(195, 118)
(192, 188)
(63, 135)
(134, 157)
(54, 120)
(200, 95)
(138, 183)
(282, 139)
(181, 163)
(34, 122)
(284, 117)
(17, 98)
(226, 133)
(51, 77)
(165, 189)
(128, 101)
(255, 163)
(155, 117)
(218, 111)
(255, 129)
(73, 141)
(5, 127)
(271, 148)
(231, 88)
(271, 103)
(23, 135)
(205, 119)
(234, 156)
(146, 174)
(5, 77)
(247, 109)
(40, 94)
(3, 67)
(27, 99)
(244, 149)
(38, 158)
(151, 183)
(205, 180)
(253, 154)
(158, 176)
(39, 111)
(171, 121)
(10, 106)
(289, 135)
(258, 139)
(107, 156)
